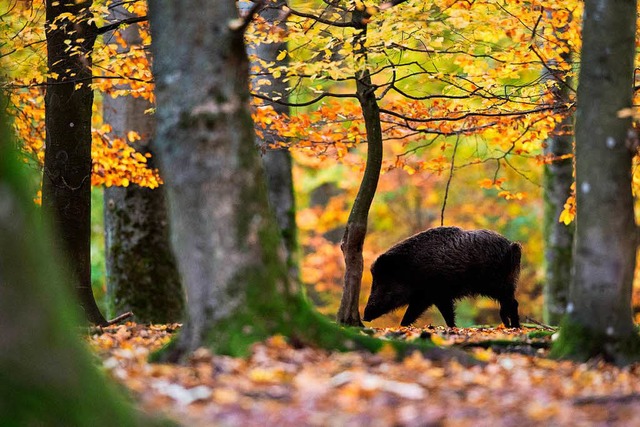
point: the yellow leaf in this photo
(565, 217)
(486, 183)
(387, 351)
(483, 355)
(133, 136)
(281, 55)
(439, 341)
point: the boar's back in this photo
(453, 253)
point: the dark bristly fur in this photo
(441, 265)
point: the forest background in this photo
(473, 155)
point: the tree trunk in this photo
(599, 317)
(67, 165)
(558, 237)
(226, 243)
(226, 239)
(142, 275)
(46, 375)
(277, 161)
(356, 229)
(277, 166)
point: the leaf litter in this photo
(514, 384)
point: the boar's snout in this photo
(373, 309)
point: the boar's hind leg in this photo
(447, 311)
(414, 311)
(509, 313)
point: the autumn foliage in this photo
(127, 73)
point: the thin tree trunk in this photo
(356, 229)
(142, 275)
(558, 178)
(558, 237)
(66, 188)
(599, 317)
(277, 161)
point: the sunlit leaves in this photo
(120, 70)
(116, 163)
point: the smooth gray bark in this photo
(558, 237)
(142, 275)
(225, 238)
(599, 317)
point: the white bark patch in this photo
(570, 307)
(611, 142)
(585, 187)
(215, 108)
(610, 330)
(172, 78)
(71, 124)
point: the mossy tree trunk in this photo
(356, 229)
(47, 377)
(66, 188)
(142, 275)
(558, 177)
(226, 242)
(599, 318)
(277, 160)
(225, 237)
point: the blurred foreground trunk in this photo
(47, 377)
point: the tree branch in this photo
(307, 103)
(115, 25)
(349, 24)
(446, 191)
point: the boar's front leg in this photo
(509, 313)
(447, 311)
(414, 311)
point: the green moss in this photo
(144, 277)
(540, 334)
(48, 378)
(579, 343)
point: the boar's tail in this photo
(514, 258)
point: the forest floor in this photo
(513, 384)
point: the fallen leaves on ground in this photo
(279, 385)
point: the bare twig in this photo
(599, 400)
(446, 191)
(119, 319)
(116, 25)
(542, 325)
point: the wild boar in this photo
(441, 265)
